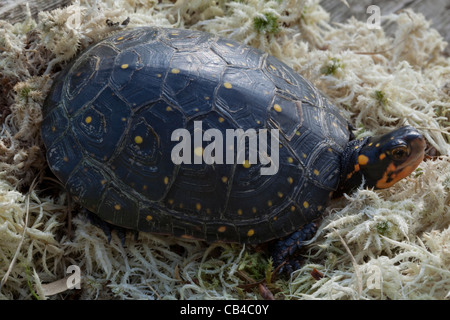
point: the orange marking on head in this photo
(363, 160)
(382, 156)
(393, 175)
(356, 169)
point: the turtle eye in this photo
(399, 153)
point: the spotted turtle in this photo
(109, 124)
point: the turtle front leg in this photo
(284, 252)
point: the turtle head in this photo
(383, 160)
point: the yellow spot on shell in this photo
(119, 38)
(224, 179)
(198, 206)
(250, 232)
(254, 210)
(88, 119)
(170, 201)
(227, 85)
(280, 194)
(53, 129)
(166, 180)
(292, 208)
(246, 164)
(316, 172)
(175, 70)
(272, 67)
(138, 139)
(290, 180)
(363, 160)
(169, 108)
(198, 151)
(229, 44)
(103, 181)
(240, 212)
(124, 66)
(149, 218)
(66, 159)
(306, 204)
(221, 119)
(290, 160)
(269, 203)
(159, 75)
(222, 229)
(277, 107)
(377, 145)
(117, 206)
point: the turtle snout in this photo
(416, 141)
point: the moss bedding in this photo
(397, 238)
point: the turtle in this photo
(153, 129)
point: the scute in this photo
(144, 162)
(119, 206)
(63, 156)
(99, 126)
(237, 55)
(286, 114)
(108, 124)
(88, 76)
(245, 99)
(55, 124)
(86, 183)
(152, 61)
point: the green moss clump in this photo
(268, 24)
(380, 96)
(383, 227)
(331, 67)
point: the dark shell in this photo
(109, 118)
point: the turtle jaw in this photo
(397, 171)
